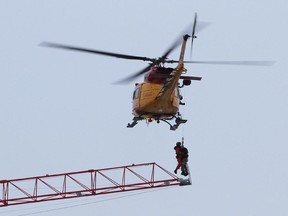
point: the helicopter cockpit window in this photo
(136, 94)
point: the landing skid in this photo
(135, 121)
(178, 121)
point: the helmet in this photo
(178, 144)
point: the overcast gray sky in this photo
(60, 112)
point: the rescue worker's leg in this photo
(184, 167)
(179, 160)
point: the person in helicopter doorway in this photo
(182, 158)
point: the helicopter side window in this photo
(136, 94)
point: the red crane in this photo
(86, 183)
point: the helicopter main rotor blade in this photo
(163, 58)
(173, 46)
(134, 76)
(99, 52)
(249, 63)
(158, 61)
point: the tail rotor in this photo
(193, 36)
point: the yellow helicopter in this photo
(158, 98)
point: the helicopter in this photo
(158, 97)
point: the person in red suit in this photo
(182, 158)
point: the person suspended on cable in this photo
(182, 158)
(184, 168)
(179, 156)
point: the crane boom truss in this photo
(85, 183)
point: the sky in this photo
(60, 111)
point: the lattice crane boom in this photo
(85, 183)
